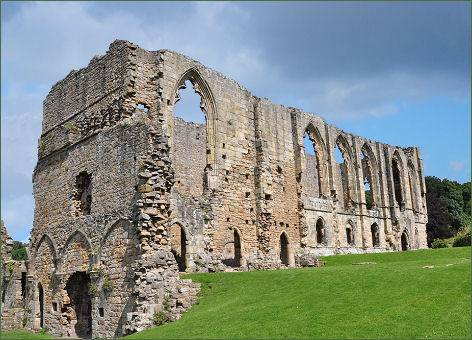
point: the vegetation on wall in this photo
(449, 211)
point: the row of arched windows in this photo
(315, 183)
(349, 234)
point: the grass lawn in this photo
(20, 335)
(395, 297)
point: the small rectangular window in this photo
(54, 306)
(101, 312)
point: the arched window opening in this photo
(41, 304)
(338, 155)
(397, 186)
(284, 249)
(188, 105)
(349, 236)
(412, 186)
(367, 172)
(178, 243)
(320, 232)
(342, 169)
(189, 148)
(405, 242)
(313, 174)
(374, 229)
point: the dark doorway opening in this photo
(179, 246)
(23, 284)
(41, 305)
(284, 249)
(320, 233)
(237, 249)
(80, 308)
(349, 235)
(404, 240)
(374, 229)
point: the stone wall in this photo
(127, 195)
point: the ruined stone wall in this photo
(118, 177)
(189, 157)
(13, 284)
(98, 123)
(7, 243)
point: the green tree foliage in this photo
(448, 204)
(18, 252)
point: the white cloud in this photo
(457, 165)
(43, 41)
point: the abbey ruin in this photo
(128, 195)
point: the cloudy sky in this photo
(394, 72)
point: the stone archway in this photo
(404, 241)
(320, 232)
(284, 255)
(78, 306)
(237, 249)
(375, 233)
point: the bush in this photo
(107, 285)
(160, 318)
(439, 243)
(462, 239)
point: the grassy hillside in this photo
(398, 295)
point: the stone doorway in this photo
(404, 241)
(179, 246)
(78, 307)
(237, 249)
(284, 249)
(41, 305)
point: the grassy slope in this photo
(20, 335)
(396, 297)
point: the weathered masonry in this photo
(127, 194)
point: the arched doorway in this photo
(320, 232)
(404, 241)
(79, 308)
(237, 249)
(349, 236)
(374, 229)
(179, 246)
(41, 304)
(284, 249)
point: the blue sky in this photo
(398, 72)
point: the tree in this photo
(18, 252)
(448, 205)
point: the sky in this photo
(397, 72)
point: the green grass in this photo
(394, 298)
(21, 334)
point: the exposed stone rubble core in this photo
(13, 285)
(127, 195)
